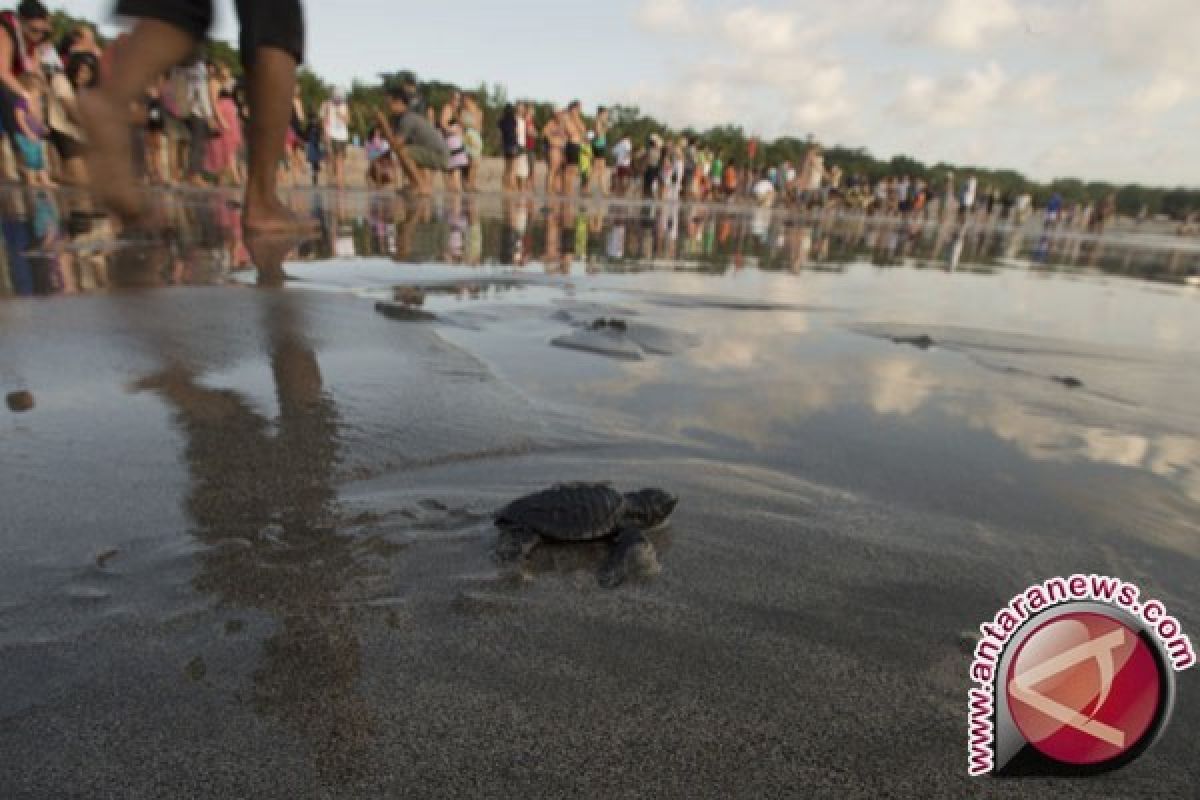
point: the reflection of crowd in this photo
(56, 243)
(570, 237)
(59, 244)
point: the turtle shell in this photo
(574, 512)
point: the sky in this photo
(1099, 89)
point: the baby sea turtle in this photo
(586, 512)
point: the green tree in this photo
(313, 90)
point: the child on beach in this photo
(31, 130)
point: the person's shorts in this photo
(571, 153)
(67, 147)
(339, 148)
(512, 151)
(426, 158)
(265, 23)
(177, 129)
(32, 155)
(625, 172)
(599, 152)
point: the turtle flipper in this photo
(514, 544)
(632, 554)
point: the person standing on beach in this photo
(272, 45)
(556, 141)
(948, 200)
(23, 34)
(296, 146)
(157, 171)
(30, 133)
(623, 156)
(460, 160)
(314, 150)
(66, 135)
(600, 150)
(226, 141)
(196, 109)
(508, 125)
(472, 123)
(335, 125)
(967, 204)
(730, 180)
(529, 143)
(576, 132)
(651, 167)
(450, 110)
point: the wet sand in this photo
(247, 549)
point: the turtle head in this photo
(648, 508)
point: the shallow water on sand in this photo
(246, 540)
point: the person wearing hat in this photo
(335, 126)
(416, 144)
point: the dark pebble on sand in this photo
(923, 342)
(601, 324)
(412, 296)
(403, 313)
(19, 402)
(1069, 382)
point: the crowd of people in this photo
(40, 81)
(189, 128)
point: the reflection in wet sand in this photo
(264, 505)
(55, 243)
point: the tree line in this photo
(729, 141)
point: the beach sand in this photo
(247, 540)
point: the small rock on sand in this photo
(19, 402)
(404, 313)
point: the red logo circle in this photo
(1084, 689)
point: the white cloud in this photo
(755, 30)
(1036, 92)
(668, 16)
(969, 24)
(1162, 94)
(951, 101)
(1045, 88)
(695, 102)
(1150, 35)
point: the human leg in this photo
(272, 45)
(166, 33)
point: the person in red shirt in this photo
(731, 180)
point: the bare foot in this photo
(110, 157)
